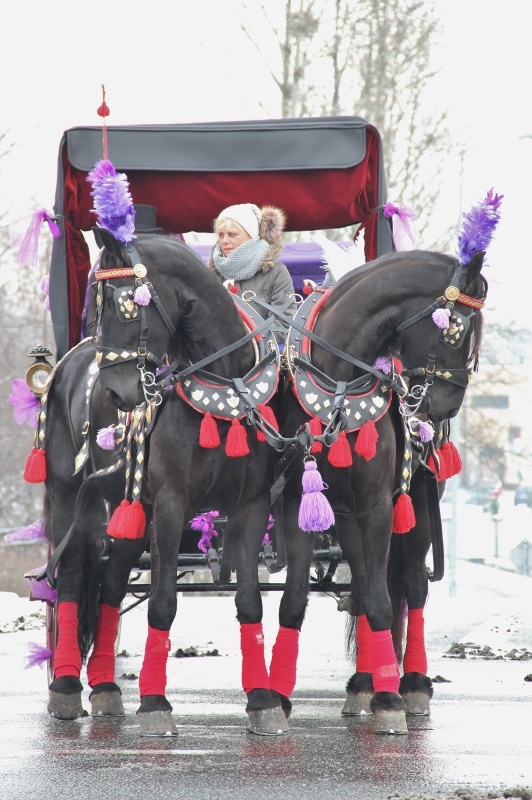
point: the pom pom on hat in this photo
(247, 215)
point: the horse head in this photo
(153, 300)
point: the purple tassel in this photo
(27, 534)
(384, 364)
(37, 655)
(40, 590)
(142, 295)
(26, 405)
(478, 227)
(113, 203)
(441, 317)
(105, 438)
(315, 512)
(426, 432)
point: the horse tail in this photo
(397, 592)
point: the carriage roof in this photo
(325, 172)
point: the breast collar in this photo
(365, 398)
(223, 398)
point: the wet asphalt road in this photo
(478, 734)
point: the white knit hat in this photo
(247, 215)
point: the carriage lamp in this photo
(38, 372)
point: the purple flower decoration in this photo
(25, 404)
(27, 534)
(37, 655)
(113, 204)
(383, 364)
(478, 227)
(271, 523)
(204, 523)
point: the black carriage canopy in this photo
(325, 172)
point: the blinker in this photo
(126, 308)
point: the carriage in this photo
(325, 173)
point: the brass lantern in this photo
(37, 373)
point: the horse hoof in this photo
(157, 723)
(416, 703)
(269, 722)
(65, 706)
(393, 721)
(106, 704)
(357, 704)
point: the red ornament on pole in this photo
(103, 112)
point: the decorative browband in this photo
(472, 302)
(119, 272)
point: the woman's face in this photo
(230, 236)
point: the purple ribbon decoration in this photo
(404, 232)
(30, 533)
(29, 246)
(25, 404)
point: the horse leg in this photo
(292, 608)
(264, 708)
(360, 685)
(77, 585)
(106, 697)
(155, 712)
(387, 704)
(416, 687)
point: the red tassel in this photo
(208, 435)
(366, 443)
(340, 452)
(128, 521)
(439, 470)
(269, 415)
(453, 462)
(237, 440)
(404, 518)
(316, 430)
(398, 365)
(35, 468)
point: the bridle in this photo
(454, 336)
(130, 311)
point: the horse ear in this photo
(104, 238)
(473, 269)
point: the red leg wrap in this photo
(67, 656)
(101, 664)
(415, 658)
(254, 672)
(284, 661)
(385, 668)
(364, 661)
(152, 678)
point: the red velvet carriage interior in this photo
(324, 172)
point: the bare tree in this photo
(370, 58)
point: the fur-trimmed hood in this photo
(271, 229)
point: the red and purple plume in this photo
(113, 204)
(478, 227)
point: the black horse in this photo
(186, 471)
(383, 309)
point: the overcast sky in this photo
(195, 65)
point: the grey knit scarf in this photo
(242, 263)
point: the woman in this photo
(249, 243)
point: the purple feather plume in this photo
(204, 523)
(478, 227)
(25, 404)
(37, 655)
(113, 204)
